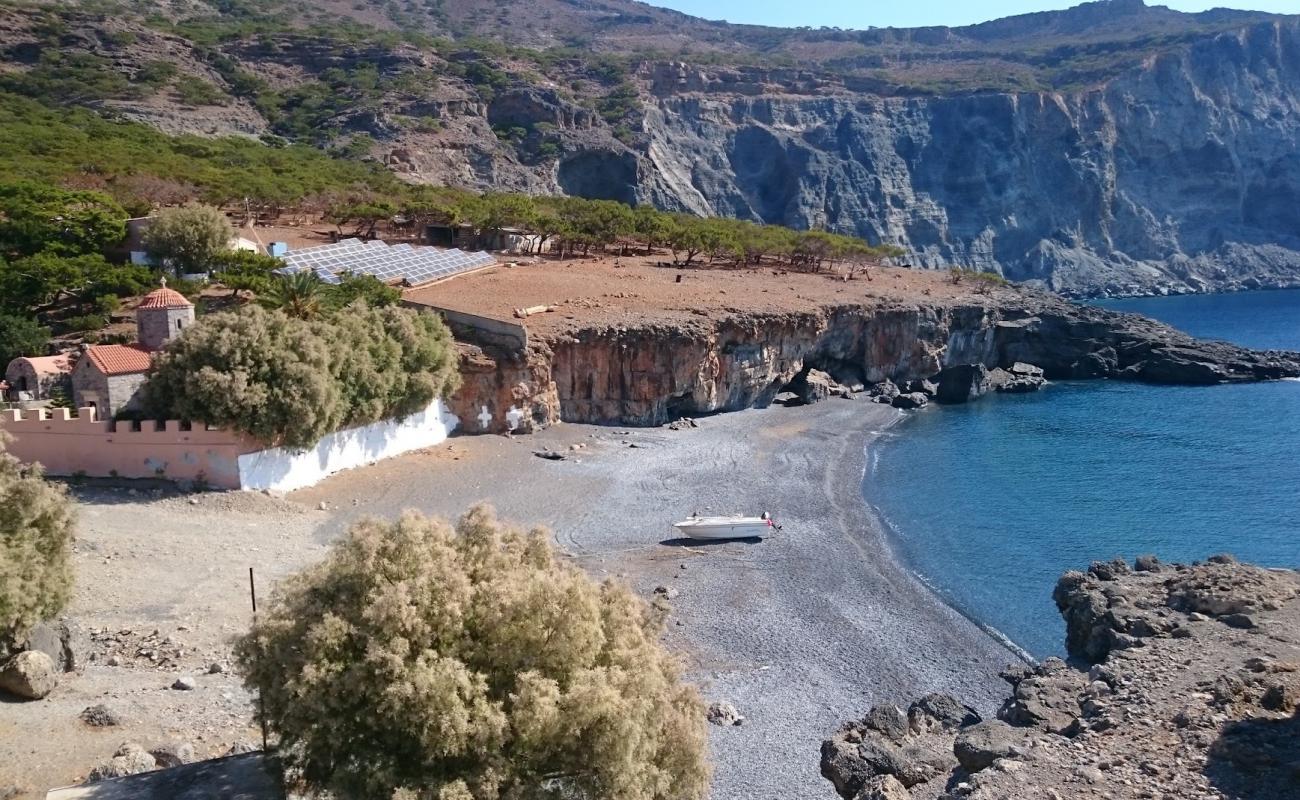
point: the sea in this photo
(990, 502)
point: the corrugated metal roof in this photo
(119, 359)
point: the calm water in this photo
(991, 501)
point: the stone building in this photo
(33, 378)
(108, 377)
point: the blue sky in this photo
(911, 13)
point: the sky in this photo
(913, 13)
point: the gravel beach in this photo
(800, 631)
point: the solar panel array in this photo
(389, 263)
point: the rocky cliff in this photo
(1184, 683)
(1179, 175)
(654, 373)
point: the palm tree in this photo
(298, 294)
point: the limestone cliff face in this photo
(1183, 175)
(654, 374)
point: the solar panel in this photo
(388, 263)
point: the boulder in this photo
(1021, 369)
(883, 787)
(940, 710)
(962, 383)
(885, 389)
(54, 639)
(813, 386)
(724, 714)
(1007, 382)
(130, 759)
(978, 746)
(1147, 563)
(185, 683)
(30, 675)
(173, 754)
(911, 400)
(889, 720)
(925, 387)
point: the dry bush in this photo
(422, 661)
(36, 529)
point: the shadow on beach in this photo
(687, 542)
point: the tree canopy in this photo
(36, 217)
(472, 663)
(188, 238)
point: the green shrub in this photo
(420, 660)
(198, 92)
(36, 531)
(362, 365)
(85, 322)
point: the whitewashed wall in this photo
(282, 470)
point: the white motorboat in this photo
(727, 527)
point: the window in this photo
(180, 323)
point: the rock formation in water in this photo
(728, 361)
(1184, 683)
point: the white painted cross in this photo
(484, 418)
(513, 417)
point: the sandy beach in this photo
(799, 632)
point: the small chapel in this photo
(108, 377)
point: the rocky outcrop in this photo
(653, 374)
(1167, 695)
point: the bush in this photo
(85, 322)
(423, 661)
(360, 366)
(35, 548)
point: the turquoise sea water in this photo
(991, 501)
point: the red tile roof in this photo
(45, 366)
(119, 359)
(164, 298)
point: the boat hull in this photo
(713, 530)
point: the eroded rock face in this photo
(1165, 697)
(653, 374)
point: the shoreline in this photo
(799, 632)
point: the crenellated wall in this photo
(85, 445)
(196, 454)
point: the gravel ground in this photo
(799, 632)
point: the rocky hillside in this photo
(1112, 149)
(1185, 683)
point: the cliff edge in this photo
(1184, 682)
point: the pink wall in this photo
(66, 446)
